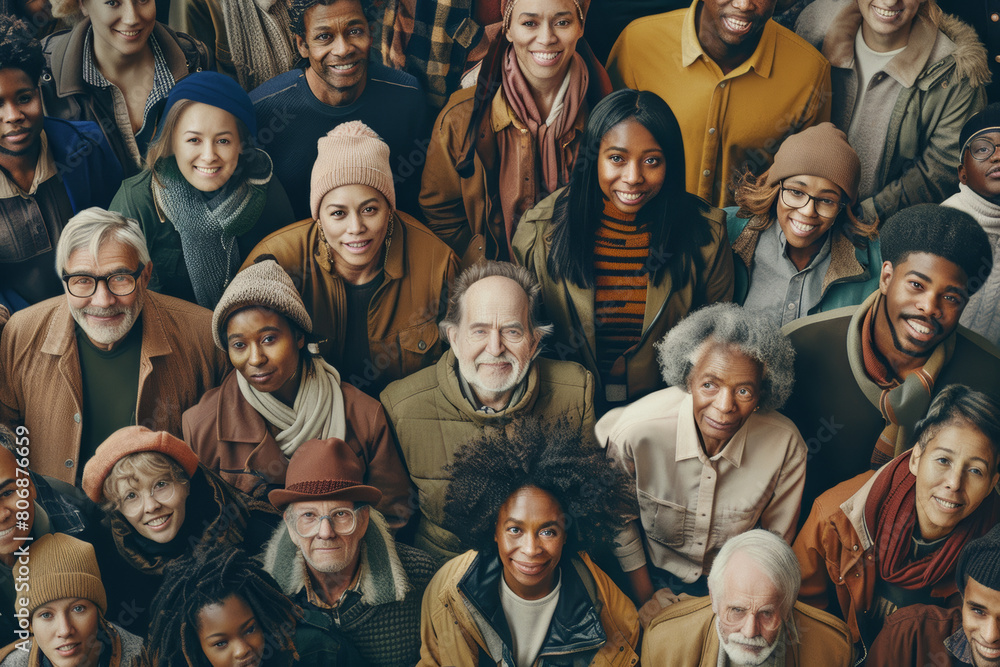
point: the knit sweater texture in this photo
(982, 313)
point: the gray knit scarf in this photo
(208, 226)
(260, 40)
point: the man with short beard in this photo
(751, 617)
(864, 375)
(335, 558)
(110, 353)
(489, 375)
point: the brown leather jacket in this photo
(837, 554)
(232, 439)
(403, 333)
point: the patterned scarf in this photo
(546, 132)
(318, 411)
(260, 39)
(902, 404)
(208, 227)
(890, 515)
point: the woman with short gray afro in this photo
(729, 325)
(710, 455)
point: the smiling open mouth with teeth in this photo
(947, 505)
(341, 68)
(5, 533)
(159, 521)
(735, 24)
(886, 13)
(208, 170)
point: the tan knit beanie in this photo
(61, 566)
(262, 284)
(351, 154)
(821, 150)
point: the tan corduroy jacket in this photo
(403, 333)
(41, 386)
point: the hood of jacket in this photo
(383, 578)
(926, 55)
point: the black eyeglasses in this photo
(824, 206)
(982, 149)
(83, 285)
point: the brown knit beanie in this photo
(263, 284)
(61, 566)
(351, 154)
(131, 440)
(821, 150)
(507, 9)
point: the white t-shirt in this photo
(528, 621)
(867, 63)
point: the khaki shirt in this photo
(690, 504)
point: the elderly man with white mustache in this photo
(750, 617)
(489, 375)
(108, 354)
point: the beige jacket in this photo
(689, 504)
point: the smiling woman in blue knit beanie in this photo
(207, 195)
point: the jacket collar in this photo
(838, 45)
(576, 623)
(383, 578)
(61, 334)
(67, 57)
(854, 509)
(447, 376)
(689, 444)
(844, 262)
(45, 169)
(502, 115)
(760, 61)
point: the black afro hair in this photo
(942, 231)
(597, 498)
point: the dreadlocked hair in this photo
(208, 576)
(596, 497)
(19, 49)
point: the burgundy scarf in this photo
(890, 514)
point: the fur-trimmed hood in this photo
(831, 26)
(383, 579)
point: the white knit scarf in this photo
(318, 411)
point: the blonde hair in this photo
(149, 464)
(758, 200)
(163, 145)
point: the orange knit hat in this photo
(131, 440)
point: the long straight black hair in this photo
(676, 227)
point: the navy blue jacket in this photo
(89, 169)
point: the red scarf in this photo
(890, 515)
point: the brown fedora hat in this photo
(324, 470)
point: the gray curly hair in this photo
(730, 325)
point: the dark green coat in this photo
(170, 274)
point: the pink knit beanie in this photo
(351, 154)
